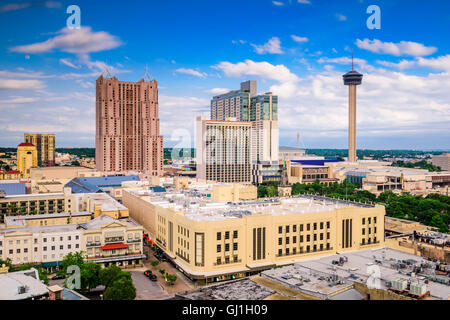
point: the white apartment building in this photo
(223, 150)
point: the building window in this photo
(287, 240)
(308, 227)
(374, 219)
(227, 235)
(369, 220)
(219, 236)
(227, 247)
(363, 231)
(363, 220)
(321, 225)
(235, 246)
(294, 228)
(287, 229)
(315, 226)
(280, 241)
(287, 251)
(301, 239)
(280, 229)
(301, 227)
(280, 252)
(308, 238)
(315, 237)
(235, 234)
(294, 239)
(328, 224)
(321, 236)
(219, 248)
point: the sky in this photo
(297, 49)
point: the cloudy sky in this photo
(298, 49)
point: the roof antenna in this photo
(147, 74)
(106, 72)
(352, 60)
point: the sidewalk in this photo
(180, 286)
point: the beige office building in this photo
(45, 144)
(212, 241)
(223, 150)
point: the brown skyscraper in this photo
(127, 127)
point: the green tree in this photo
(121, 289)
(438, 222)
(90, 275)
(43, 275)
(155, 263)
(171, 278)
(109, 274)
(162, 271)
(75, 163)
(70, 259)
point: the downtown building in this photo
(45, 145)
(212, 241)
(262, 112)
(127, 127)
(223, 150)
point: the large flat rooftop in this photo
(391, 263)
(199, 208)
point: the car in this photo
(58, 277)
(148, 273)
(153, 277)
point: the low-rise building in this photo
(104, 239)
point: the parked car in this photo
(148, 273)
(57, 277)
(153, 277)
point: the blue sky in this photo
(195, 49)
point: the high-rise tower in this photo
(127, 133)
(352, 79)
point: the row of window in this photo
(227, 247)
(25, 241)
(369, 230)
(308, 227)
(227, 235)
(314, 248)
(301, 238)
(53, 248)
(369, 220)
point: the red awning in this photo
(114, 246)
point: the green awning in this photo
(51, 264)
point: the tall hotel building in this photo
(127, 127)
(223, 150)
(45, 145)
(262, 111)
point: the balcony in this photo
(93, 244)
(133, 240)
(112, 240)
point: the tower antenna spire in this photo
(352, 60)
(147, 74)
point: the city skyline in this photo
(298, 51)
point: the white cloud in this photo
(191, 72)
(439, 63)
(403, 48)
(272, 46)
(218, 90)
(299, 39)
(18, 100)
(263, 70)
(14, 84)
(341, 17)
(404, 64)
(304, 1)
(68, 63)
(347, 61)
(79, 41)
(278, 3)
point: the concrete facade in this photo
(127, 127)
